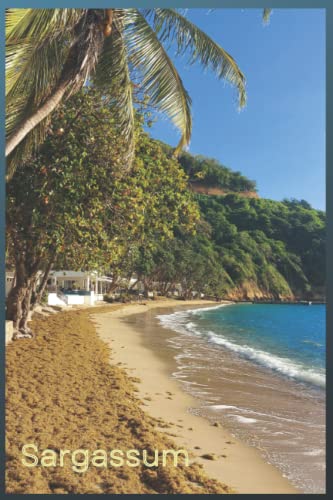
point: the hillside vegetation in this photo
(244, 247)
(266, 248)
(210, 173)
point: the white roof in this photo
(78, 274)
(72, 274)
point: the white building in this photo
(70, 287)
(76, 287)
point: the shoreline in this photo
(236, 464)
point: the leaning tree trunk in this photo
(146, 288)
(187, 293)
(18, 307)
(169, 287)
(133, 285)
(37, 297)
(18, 301)
(80, 62)
(114, 284)
(26, 307)
(14, 305)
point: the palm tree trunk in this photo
(33, 120)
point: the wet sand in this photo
(281, 417)
(140, 345)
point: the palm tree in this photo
(266, 15)
(52, 53)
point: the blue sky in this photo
(279, 138)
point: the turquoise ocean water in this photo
(259, 369)
(289, 339)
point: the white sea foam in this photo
(316, 344)
(314, 453)
(267, 416)
(200, 309)
(179, 317)
(244, 420)
(285, 366)
(190, 325)
(222, 407)
(179, 321)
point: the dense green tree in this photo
(73, 201)
(187, 260)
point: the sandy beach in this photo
(87, 381)
(65, 399)
(234, 463)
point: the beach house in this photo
(76, 287)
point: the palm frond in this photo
(37, 41)
(112, 73)
(172, 26)
(13, 17)
(31, 33)
(160, 79)
(41, 59)
(38, 71)
(266, 15)
(39, 24)
(26, 148)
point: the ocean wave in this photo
(189, 312)
(316, 344)
(222, 407)
(314, 453)
(267, 416)
(285, 366)
(209, 308)
(181, 322)
(244, 420)
(190, 325)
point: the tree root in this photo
(23, 333)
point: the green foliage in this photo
(250, 247)
(279, 246)
(210, 172)
(76, 199)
